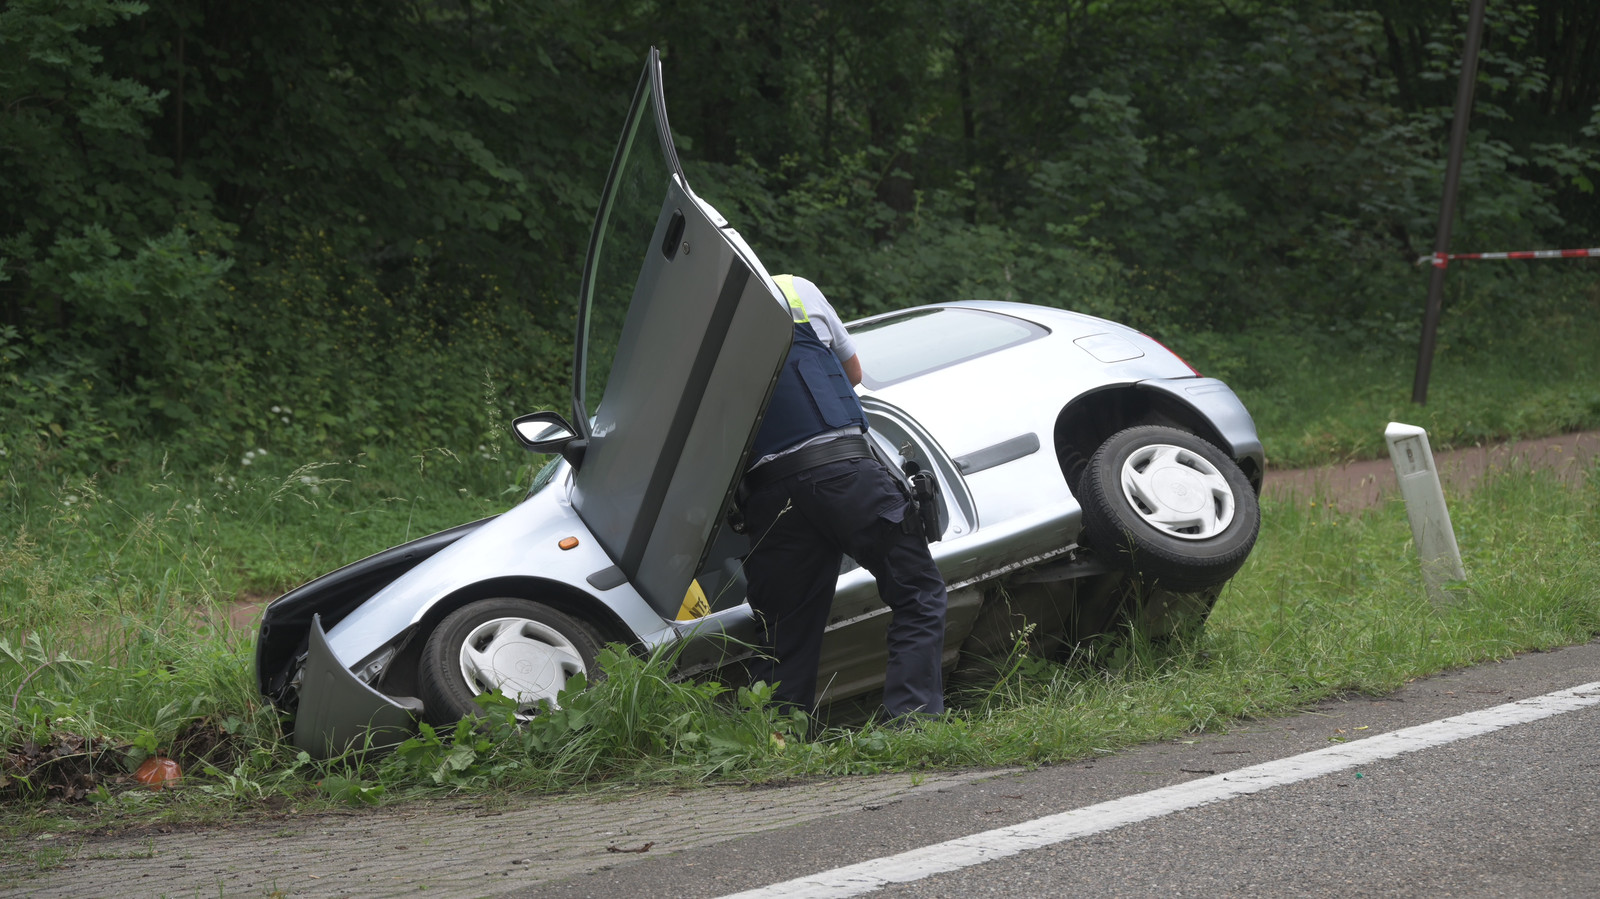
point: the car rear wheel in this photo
(524, 650)
(1170, 508)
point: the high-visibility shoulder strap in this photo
(797, 307)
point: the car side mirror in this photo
(548, 432)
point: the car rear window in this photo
(914, 343)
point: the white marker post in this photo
(1424, 498)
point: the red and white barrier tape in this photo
(1441, 260)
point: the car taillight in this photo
(1177, 357)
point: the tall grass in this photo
(1515, 358)
(115, 591)
(1329, 603)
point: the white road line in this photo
(853, 880)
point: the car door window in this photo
(623, 239)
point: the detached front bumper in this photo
(337, 712)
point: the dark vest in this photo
(813, 396)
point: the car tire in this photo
(1169, 508)
(524, 649)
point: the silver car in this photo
(1088, 479)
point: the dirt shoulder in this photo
(1354, 486)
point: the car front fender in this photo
(285, 625)
(1218, 405)
(521, 545)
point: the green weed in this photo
(116, 645)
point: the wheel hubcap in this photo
(525, 660)
(1176, 491)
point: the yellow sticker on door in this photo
(694, 603)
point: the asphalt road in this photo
(1509, 813)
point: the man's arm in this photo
(852, 369)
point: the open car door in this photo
(680, 338)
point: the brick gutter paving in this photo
(440, 848)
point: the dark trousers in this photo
(800, 526)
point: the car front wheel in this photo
(524, 650)
(1170, 508)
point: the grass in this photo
(1512, 361)
(1329, 603)
(113, 591)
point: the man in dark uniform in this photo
(815, 493)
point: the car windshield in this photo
(623, 238)
(904, 346)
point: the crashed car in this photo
(1087, 479)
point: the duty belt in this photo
(835, 450)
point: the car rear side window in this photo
(905, 346)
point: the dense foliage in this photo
(311, 227)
